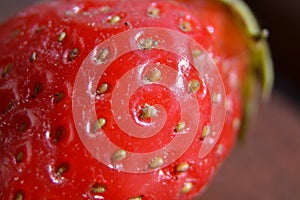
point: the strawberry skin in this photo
(115, 99)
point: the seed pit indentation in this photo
(7, 69)
(59, 134)
(73, 54)
(38, 87)
(62, 169)
(59, 97)
(20, 195)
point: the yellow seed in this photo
(102, 89)
(100, 123)
(102, 56)
(156, 162)
(155, 74)
(153, 12)
(104, 9)
(180, 126)
(19, 195)
(194, 86)
(205, 131)
(188, 186)
(148, 112)
(136, 198)
(115, 19)
(62, 36)
(147, 44)
(185, 26)
(119, 155)
(183, 167)
(97, 188)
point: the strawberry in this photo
(124, 99)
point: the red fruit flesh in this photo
(45, 49)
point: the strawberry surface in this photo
(119, 99)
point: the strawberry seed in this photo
(157, 162)
(104, 9)
(185, 26)
(188, 186)
(102, 56)
(74, 54)
(63, 168)
(154, 75)
(9, 106)
(98, 188)
(153, 12)
(62, 36)
(33, 56)
(180, 126)
(114, 20)
(182, 167)
(59, 97)
(147, 44)
(102, 89)
(205, 131)
(148, 112)
(119, 155)
(7, 69)
(19, 195)
(23, 127)
(37, 89)
(60, 134)
(136, 198)
(194, 86)
(100, 124)
(20, 157)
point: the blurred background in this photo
(267, 165)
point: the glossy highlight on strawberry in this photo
(123, 99)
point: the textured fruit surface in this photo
(122, 99)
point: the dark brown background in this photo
(267, 166)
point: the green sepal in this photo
(259, 47)
(261, 64)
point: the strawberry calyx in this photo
(261, 56)
(261, 64)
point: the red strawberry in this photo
(123, 99)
